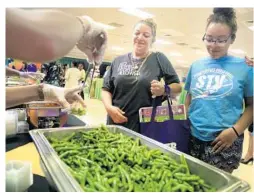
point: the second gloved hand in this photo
(63, 96)
(94, 40)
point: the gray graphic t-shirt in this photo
(130, 84)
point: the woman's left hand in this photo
(224, 140)
(157, 88)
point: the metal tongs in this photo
(91, 66)
(101, 37)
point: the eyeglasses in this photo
(219, 42)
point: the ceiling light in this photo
(251, 28)
(159, 41)
(136, 12)
(237, 51)
(182, 61)
(117, 48)
(175, 54)
(105, 26)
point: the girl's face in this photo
(217, 39)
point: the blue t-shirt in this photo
(217, 87)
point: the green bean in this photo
(115, 185)
(130, 185)
(100, 187)
(183, 161)
(71, 152)
(103, 161)
(88, 189)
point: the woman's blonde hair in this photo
(151, 23)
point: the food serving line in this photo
(93, 162)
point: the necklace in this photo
(137, 67)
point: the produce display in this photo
(78, 109)
(104, 161)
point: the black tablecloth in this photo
(40, 185)
(17, 141)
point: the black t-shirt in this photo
(131, 89)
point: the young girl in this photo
(216, 88)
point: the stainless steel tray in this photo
(56, 171)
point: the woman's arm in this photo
(170, 75)
(43, 34)
(116, 114)
(247, 116)
(29, 93)
(106, 99)
(175, 88)
(187, 103)
(62, 96)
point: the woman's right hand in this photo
(117, 115)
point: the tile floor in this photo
(96, 114)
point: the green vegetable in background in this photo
(78, 109)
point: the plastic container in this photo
(23, 127)
(11, 123)
(19, 176)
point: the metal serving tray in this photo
(58, 175)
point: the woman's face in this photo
(142, 38)
(221, 33)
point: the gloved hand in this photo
(32, 75)
(94, 40)
(63, 96)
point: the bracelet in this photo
(235, 131)
(166, 90)
(40, 92)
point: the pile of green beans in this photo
(104, 161)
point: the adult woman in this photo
(134, 77)
(216, 88)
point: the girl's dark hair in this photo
(225, 16)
